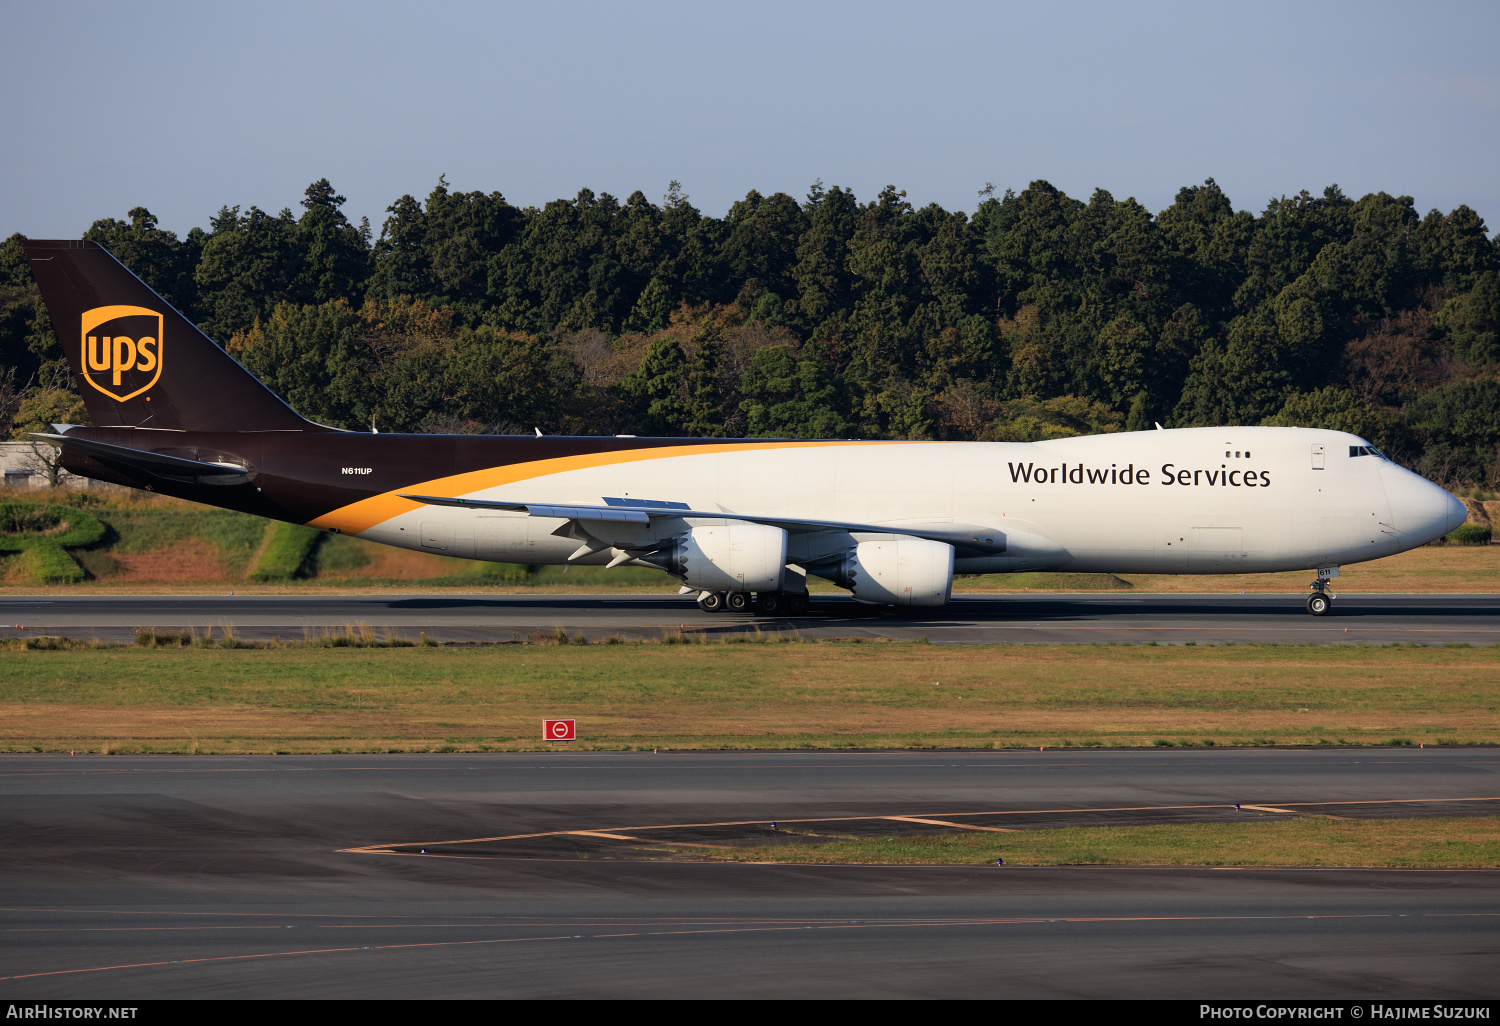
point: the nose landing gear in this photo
(1320, 602)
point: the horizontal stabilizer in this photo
(137, 462)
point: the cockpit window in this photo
(1365, 450)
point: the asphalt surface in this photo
(136, 877)
(1166, 619)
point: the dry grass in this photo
(1449, 842)
(744, 696)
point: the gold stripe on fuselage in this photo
(377, 509)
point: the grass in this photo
(1446, 842)
(223, 542)
(288, 550)
(49, 563)
(725, 696)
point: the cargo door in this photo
(501, 538)
(1216, 548)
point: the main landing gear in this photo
(765, 603)
(1320, 602)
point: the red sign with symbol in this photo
(560, 730)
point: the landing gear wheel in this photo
(769, 602)
(794, 603)
(737, 601)
(711, 601)
(1319, 604)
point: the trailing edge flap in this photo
(155, 464)
(971, 541)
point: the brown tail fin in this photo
(139, 362)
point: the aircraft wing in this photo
(977, 540)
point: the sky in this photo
(187, 107)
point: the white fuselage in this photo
(1199, 500)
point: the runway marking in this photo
(944, 822)
(779, 927)
(1284, 807)
(598, 833)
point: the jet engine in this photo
(732, 557)
(896, 571)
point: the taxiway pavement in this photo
(1166, 619)
(132, 877)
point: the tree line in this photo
(1038, 316)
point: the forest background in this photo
(1039, 316)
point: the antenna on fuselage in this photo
(1158, 426)
(538, 431)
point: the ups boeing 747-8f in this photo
(740, 522)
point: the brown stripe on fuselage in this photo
(300, 476)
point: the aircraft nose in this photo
(1422, 511)
(1457, 511)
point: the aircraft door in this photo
(1216, 548)
(501, 538)
(1317, 457)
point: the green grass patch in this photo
(41, 534)
(27, 524)
(49, 563)
(287, 554)
(1468, 534)
(482, 573)
(1440, 842)
(339, 554)
(232, 537)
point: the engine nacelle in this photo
(731, 557)
(898, 571)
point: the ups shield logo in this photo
(122, 350)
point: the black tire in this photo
(794, 604)
(711, 601)
(737, 601)
(1319, 604)
(769, 602)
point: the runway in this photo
(1014, 619)
(135, 877)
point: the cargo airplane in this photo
(740, 523)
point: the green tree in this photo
(28, 345)
(657, 388)
(154, 254)
(1335, 408)
(334, 255)
(249, 265)
(790, 396)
